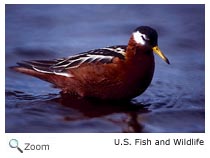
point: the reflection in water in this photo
(70, 114)
(91, 108)
(65, 110)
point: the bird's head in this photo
(146, 37)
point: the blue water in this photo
(174, 102)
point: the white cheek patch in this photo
(138, 37)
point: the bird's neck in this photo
(134, 50)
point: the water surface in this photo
(174, 102)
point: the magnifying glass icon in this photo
(13, 143)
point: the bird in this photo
(119, 72)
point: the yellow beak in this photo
(157, 50)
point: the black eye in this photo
(145, 39)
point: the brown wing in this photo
(60, 66)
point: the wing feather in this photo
(60, 66)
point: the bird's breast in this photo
(139, 73)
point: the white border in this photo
(101, 145)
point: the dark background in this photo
(174, 102)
